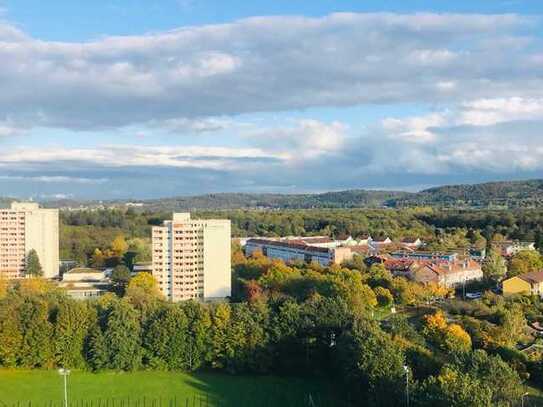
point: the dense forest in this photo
(82, 232)
(301, 320)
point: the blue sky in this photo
(140, 99)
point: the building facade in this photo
(298, 251)
(25, 227)
(85, 283)
(191, 258)
(527, 283)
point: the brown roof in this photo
(409, 239)
(398, 264)
(533, 277)
(360, 249)
(316, 240)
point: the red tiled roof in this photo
(316, 240)
(409, 239)
(533, 277)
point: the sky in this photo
(135, 99)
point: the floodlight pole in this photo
(406, 369)
(65, 372)
(522, 398)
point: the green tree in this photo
(453, 388)
(36, 345)
(11, 336)
(120, 277)
(525, 261)
(384, 296)
(122, 336)
(494, 267)
(372, 364)
(33, 267)
(71, 325)
(165, 339)
(198, 340)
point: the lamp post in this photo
(406, 369)
(65, 372)
(522, 399)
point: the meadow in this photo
(155, 389)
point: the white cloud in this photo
(265, 64)
(307, 139)
(217, 158)
(59, 179)
(483, 112)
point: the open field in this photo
(45, 388)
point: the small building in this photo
(411, 242)
(84, 283)
(509, 248)
(527, 283)
(477, 254)
(142, 267)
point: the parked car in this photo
(474, 296)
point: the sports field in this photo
(26, 388)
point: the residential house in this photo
(509, 248)
(411, 242)
(527, 283)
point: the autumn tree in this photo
(525, 261)
(119, 245)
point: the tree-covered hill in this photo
(510, 194)
(507, 194)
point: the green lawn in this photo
(44, 388)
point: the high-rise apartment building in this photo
(191, 258)
(23, 227)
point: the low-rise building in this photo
(142, 267)
(411, 242)
(509, 248)
(448, 274)
(290, 251)
(527, 283)
(84, 283)
(425, 256)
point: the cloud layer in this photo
(476, 78)
(266, 64)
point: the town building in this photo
(411, 242)
(427, 256)
(527, 283)
(25, 227)
(191, 258)
(509, 248)
(142, 267)
(448, 274)
(298, 250)
(84, 283)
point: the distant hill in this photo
(342, 199)
(509, 194)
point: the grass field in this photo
(155, 389)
